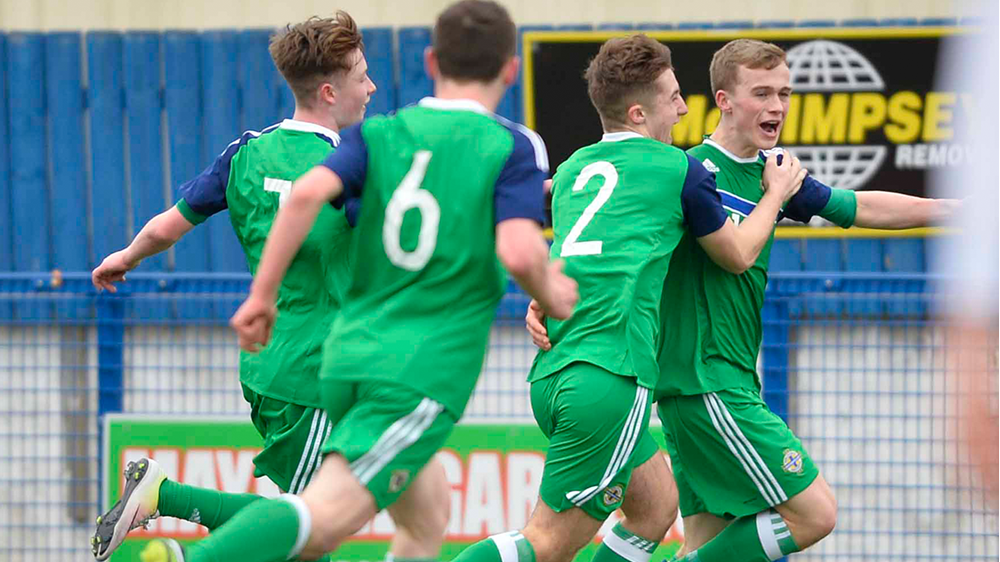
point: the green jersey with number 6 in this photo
(434, 181)
(619, 208)
(712, 318)
(251, 178)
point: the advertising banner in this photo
(494, 471)
(866, 110)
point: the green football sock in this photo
(621, 545)
(505, 547)
(210, 508)
(757, 538)
(264, 531)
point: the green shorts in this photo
(731, 456)
(386, 431)
(292, 436)
(597, 424)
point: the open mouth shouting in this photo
(770, 128)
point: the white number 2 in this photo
(409, 196)
(606, 170)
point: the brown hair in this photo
(473, 39)
(623, 73)
(750, 53)
(307, 53)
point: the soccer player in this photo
(323, 62)
(620, 206)
(446, 189)
(747, 488)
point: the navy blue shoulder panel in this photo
(205, 194)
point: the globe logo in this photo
(829, 66)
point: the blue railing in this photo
(853, 362)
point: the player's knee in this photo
(653, 521)
(549, 548)
(652, 517)
(331, 523)
(819, 522)
(428, 526)
(665, 518)
(440, 517)
(668, 509)
(325, 533)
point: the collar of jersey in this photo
(454, 105)
(305, 127)
(620, 136)
(728, 154)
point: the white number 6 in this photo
(409, 196)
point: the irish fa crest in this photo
(792, 461)
(613, 495)
(397, 480)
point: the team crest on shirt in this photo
(710, 166)
(613, 495)
(792, 461)
(397, 480)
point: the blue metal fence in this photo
(853, 362)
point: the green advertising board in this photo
(494, 471)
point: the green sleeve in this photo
(186, 210)
(841, 208)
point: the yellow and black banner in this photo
(867, 112)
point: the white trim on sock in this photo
(305, 522)
(625, 549)
(175, 548)
(506, 544)
(765, 532)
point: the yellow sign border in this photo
(835, 232)
(529, 39)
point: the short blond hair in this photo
(749, 53)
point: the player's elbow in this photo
(166, 229)
(308, 196)
(736, 263)
(516, 261)
(520, 247)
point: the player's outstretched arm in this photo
(893, 211)
(158, 235)
(255, 317)
(524, 253)
(736, 248)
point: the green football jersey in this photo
(252, 178)
(711, 319)
(619, 208)
(434, 180)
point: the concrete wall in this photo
(200, 14)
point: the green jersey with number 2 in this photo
(619, 208)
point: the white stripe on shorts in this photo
(738, 447)
(623, 449)
(293, 486)
(727, 417)
(404, 432)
